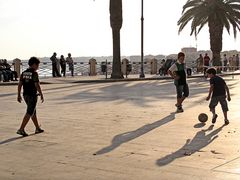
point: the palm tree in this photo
(217, 14)
(116, 24)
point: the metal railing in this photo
(83, 68)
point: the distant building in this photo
(191, 55)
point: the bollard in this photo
(125, 62)
(17, 66)
(92, 67)
(153, 63)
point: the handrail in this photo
(83, 68)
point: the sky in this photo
(41, 27)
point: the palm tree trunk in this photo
(216, 32)
(116, 24)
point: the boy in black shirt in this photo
(31, 86)
(218, 90)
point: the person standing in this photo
(55, 72)
(234, 62)
(230, 61)
(200, 63)
(225, 62)
(70, 62)
(31, 86)
(63, 65)
(206, 63)
(178, 72)
(237, 61)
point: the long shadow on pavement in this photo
(199, 141)
(14, 139)
(119, 139)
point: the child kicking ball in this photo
(217, 92)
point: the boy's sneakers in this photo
(179, 109)
(226, 121)
(214, 118)
(39, 130)
(22, 132)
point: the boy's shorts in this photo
(222, 99)
(31, 102)
(182, 91)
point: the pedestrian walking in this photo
(31, 86)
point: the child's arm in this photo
(210, 92)
(37, 85)
(173, 74)
(228, 93)
(19, 98)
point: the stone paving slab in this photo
(121, 130)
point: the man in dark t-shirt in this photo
(29, 78)
(217, 93)
(31, 86)
(55, 72)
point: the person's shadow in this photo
(6, 141)
(199, 141)
(128, 136)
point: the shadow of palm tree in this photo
(128, 136)
(199, 141)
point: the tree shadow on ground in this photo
(141, 94)
(199, 141)
(138, 93)
(119, 139)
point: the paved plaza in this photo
(120, 131)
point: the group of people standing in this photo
(231, 63)
(6, 74)
(61, 63)
(203, 63)
(227, 63)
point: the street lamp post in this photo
(142, 55)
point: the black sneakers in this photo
(39, 130)
(179, 108)
(22, 132)
(214, 118)
(226, 121)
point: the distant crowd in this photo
(227, 63)
(6, 74)
(59, 65)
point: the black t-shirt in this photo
(53, 59)
(29, 78)
(181, 73)
(218, 86)
(206, 60)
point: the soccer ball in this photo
(202, 117)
